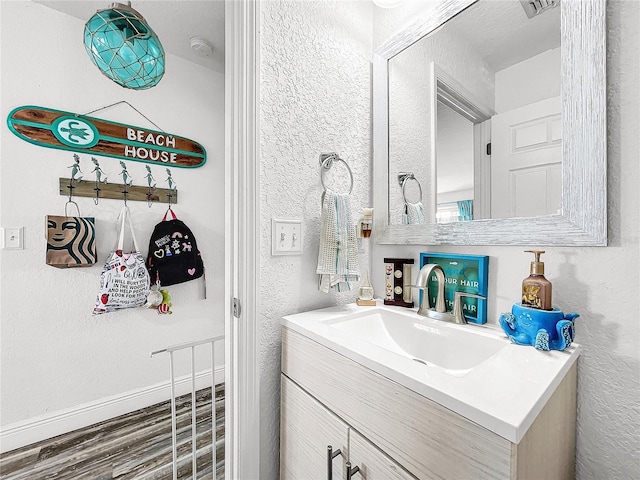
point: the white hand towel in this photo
(338, 253)
(413, 214)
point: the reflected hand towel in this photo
(413, 214)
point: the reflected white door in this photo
(526, 161)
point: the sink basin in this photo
(454, 348)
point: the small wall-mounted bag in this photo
(71, 241)
(173, 253)
(124, 282)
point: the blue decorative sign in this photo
(463, 273)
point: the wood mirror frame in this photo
(584, 150)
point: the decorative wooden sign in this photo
(50, 128)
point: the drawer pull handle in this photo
(351, 470)
(330, 456)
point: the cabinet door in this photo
(373, 464)
(306, 429)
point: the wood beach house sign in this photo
(50, 128)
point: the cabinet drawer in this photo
(429, 440)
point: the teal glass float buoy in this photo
(123, 46)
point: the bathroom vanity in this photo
(402, 396)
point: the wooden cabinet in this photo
(308, 428)
(409, 435)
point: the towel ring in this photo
(326, 162)
(403, 178)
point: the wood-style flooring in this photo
(133, 446)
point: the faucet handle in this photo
(457, 305)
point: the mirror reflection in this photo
(474, 117)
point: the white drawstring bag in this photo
(124, 282)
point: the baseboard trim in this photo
(26, 432)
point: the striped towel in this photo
(413, 214)
(338, 253)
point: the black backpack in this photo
(173, 253)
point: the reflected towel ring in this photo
(403, 177)
(326, 162)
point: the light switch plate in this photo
(12, 238)
(286, 237)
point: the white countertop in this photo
(504, 393)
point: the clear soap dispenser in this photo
(536, 289)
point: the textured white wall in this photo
(54, 354)
(315, 89)
(599, 283)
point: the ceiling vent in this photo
(536, 7)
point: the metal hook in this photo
(127, 180)
(172, 186)
(75, 169)
(97, 189)
(169, 180)
(150, 180)
(70, 187)
(99, 178)
(149, 197)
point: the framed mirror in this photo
(479, 143)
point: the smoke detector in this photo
(201, 47)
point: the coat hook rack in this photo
(101, 188)
(113, 191)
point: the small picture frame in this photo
(465, 273)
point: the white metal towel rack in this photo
(171, 350)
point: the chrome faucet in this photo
(422, 283)
(439, 311)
